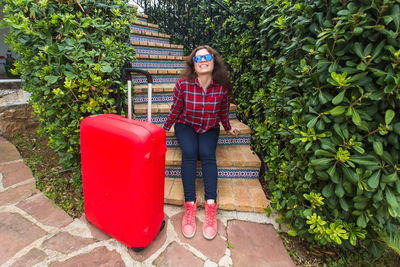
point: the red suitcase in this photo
(123, 172)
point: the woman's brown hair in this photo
(220, 73)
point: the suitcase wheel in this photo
(138, 249)
(162, 225)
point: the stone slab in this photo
(44, 211)
(18, 193)
(31, 258)
(97, 234)
(177, 255)
(15, 173)
(16, 232)
(66, 243)
(154, 246)
(8, 152)
(214, 249)
(16, 118)
(254, 244)
(100, 256)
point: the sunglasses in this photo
(207, 57)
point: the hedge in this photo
(319, 84)
(70, 55)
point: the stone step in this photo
(160, 119)
(223, 140)
(145, 24)
(156, 45)
(223, 172)
(233, 194)
(157, 79)
(176, 71)
(155, 98)
(141, 16)
(160, 64)
(158, 57)
(157, 88)
(141, 27)
(163, 108)
(157, 51)
(148, 36)
(244, 129)
(228, 157)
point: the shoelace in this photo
(189, 208)
(210, 216)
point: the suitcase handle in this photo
(149, 78)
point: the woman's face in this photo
(203, 67)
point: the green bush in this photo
(70, 55)
(319, 82)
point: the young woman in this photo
(201, 102)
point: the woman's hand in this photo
(234, 131)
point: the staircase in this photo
(238, 167)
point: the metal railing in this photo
(191, 23)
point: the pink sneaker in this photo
(189, 220)
(210, 226)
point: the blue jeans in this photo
(194, 146)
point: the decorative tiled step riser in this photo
(160, 119)
(142, 19)
(222, 141)
(158, 51)
(157, 79)
(143, 28)
(157, 88)
(139, 38)
(157, 64)
(223, 173)
(143, 99)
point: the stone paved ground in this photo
(34, 232)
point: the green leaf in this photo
(358, 49)
(362, 221)
(51, 79)
(321, 161)
(308, 176)
(343, 204)
(376, 249)
(362, 161)
(350, 175)
(390, 178)
(323, 153)
(396, 128)
(391, 198)
(106, 68)
(378, 148)
(389, 115)
(378, 49)
(312, 122)
(327, 191)
(339, 98)
(356, 117)
(292, 232)
(332, 170)
(323, 98)
(338, 110)
(339, 191)
(307, 212)
(373, 180)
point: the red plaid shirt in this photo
(201, 110)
